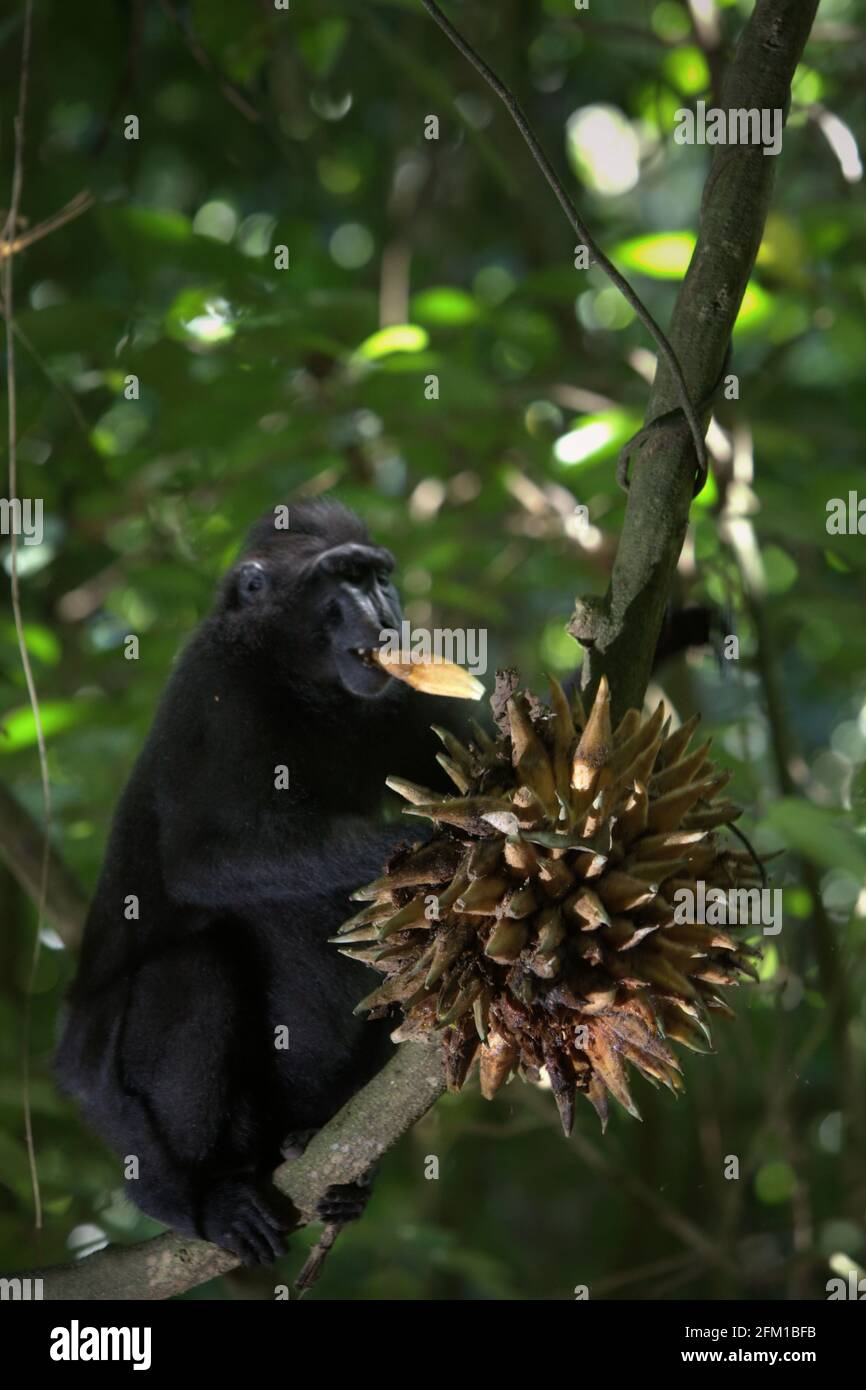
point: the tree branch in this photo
(621, 631)
(343, 1151)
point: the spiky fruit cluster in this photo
(537, 928)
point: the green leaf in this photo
(400, 337)
(780, 569)
(686, 68)
(445, 305)
(597, 437)
(818, 834)
(18, 727)
(756, 309)
(320, 45)
(664, 256)
(41, 642)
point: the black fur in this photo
(170, 1038)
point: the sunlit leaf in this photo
(18, 727)
(603, 148)
(596, 437)
(756, 309)
(775, 1182)
(156, 224)
(401, 337)
(41, 642)
(201, 317)
(687, 70)
(665, 255)
(445, 305)
(708, 495)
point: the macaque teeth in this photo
(433, 677)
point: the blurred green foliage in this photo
(408, 258)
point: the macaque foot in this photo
(296, 1142)
(345, 1201)
(237, 1216)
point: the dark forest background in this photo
(408, 257)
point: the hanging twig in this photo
(74, 208)
(315, 1260)
(610, 270)
(206, 63)
(12, 417)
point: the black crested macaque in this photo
(208, 933)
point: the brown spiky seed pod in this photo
(537, 928)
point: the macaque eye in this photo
(252, 582)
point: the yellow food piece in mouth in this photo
(433, 677)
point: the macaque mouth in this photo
(366, 655)
(435, 676)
